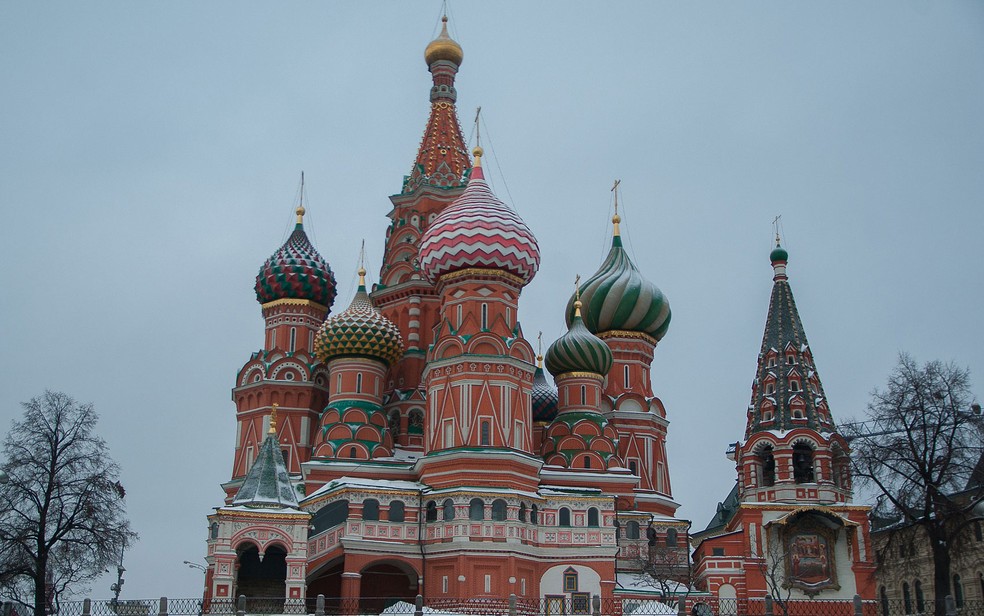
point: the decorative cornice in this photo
(621, 333)
(579, 375)
(481, 272)
(289, 301)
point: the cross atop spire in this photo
(616, 219)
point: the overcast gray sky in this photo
(151, 152)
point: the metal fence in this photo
(692, 605)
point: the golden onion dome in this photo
(443, 47)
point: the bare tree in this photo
(918, 448)
(64, 519)
(666, 567)
(773, 567)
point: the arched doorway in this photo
(264, 578)
(386, 582)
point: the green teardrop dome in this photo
(359, 330)
(619, 297)
(578, 351)
(778, 254)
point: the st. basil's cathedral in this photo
(411, 443)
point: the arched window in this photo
(584, 394)
(485, 316)
(768, 461)
(486, 429)
(352, 451)
(358, 383)
(293, 338)
(587, 461)
(522, 512)
(625, 375)
(920, 599)
(593, 516)
(394, 423)
(958, 596)
(565, 516)
(397, 511)
(370, 509)
(330, 515)
(476, 509)
(534, 511)
(770, 389)
(431, 511)
(802, 463)
(499, 510)
(448, 510)
(671, 538)
(885, 605)
(906, 598)
(213, 530)
(632, 530)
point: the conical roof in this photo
(619, 297)
(359, 330)
(296, 271)
(787, 392)
(267, 484)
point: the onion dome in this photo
(544, 396)
(443, 47)
(579, 350)
(478, 231)
(618, 297)
(296, 271)
(359, 330)
(778, 254)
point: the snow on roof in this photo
(402, 608)
(489, 489)
(402, 455)
(358, 482)
(566, 490)
(277, 511)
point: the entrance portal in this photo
(266, 578)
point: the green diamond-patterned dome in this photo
(360, 330)
(618, 297)
(578, 351)
(296, 271)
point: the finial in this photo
(616, 218)
(273, 419)
(775, 225)
(300, 208)
(539, 349)
(362, 264)
(577, 296)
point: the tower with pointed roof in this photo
(790, 515)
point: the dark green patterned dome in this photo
(360, 330)
(778, 254)
(296, 271)
(544, 396)
(618, 297)
(578, 350)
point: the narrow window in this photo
(802, 463)
(522, 512)
(444, 584)
(285, 454)
(534, 514)
(584, 394)
(565, 516)
(671, 538)
(768, 460)
(485, 316)
(459, 315)
(397, 511)
(522, 586)
(593, 516)
(370, 509)
(632, 530)
(509, 316)
(794, 385)
(476, 510)
(293, 338)
(352, 451)
(587, 462)
(920, 599)
(273, 338)
(883, 598)
(338, 384)
(448, 433)
(488, 583)
(958, 596)
(310, 341)
(448, 510)
(431, 511)
(978, 533)
(358, 383)
(625, 375)
(906, 598)
(498, 510)
(249, 458)
(769, 389)
(485, 437)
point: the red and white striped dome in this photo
(477, 230)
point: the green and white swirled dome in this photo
(619, 297)
(578, 350)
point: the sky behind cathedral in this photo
(151, 154)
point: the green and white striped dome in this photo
(618, 297)
(578, 351)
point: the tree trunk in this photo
(941, 569)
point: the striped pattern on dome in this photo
(296, 271)
(477, 230)
(544, 397)
(360, 330)
(618, 297)
(578, 351)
